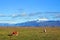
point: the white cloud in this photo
(19, 15)
(57, 16)
(14, 15)
(42, 19)
(24, 14)
(2, 15)
(10, 22)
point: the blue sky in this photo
(17, 11)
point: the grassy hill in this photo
(30, 33)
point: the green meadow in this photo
(30, 33)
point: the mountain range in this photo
(34, 24)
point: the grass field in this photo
(30, 33)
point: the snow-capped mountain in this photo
(41, 23)
(35, 23)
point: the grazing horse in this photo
(13, 33)
(44, 30)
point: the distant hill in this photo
(34, 23)
(42, 23)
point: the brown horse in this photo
(13, 33)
